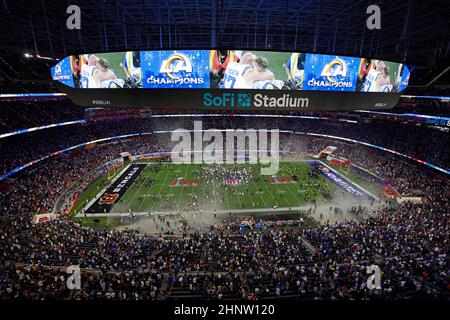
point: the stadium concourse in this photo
(324, 260)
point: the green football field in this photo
(152, 190)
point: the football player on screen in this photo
(104, 74)
(76, 62)
(259, 72)
(377, 79)
(235, 72)
(218, 63)
(95, 72)
(295, 70)
(87, 71)
(132, 67)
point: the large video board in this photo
(230, 69)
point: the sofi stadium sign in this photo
(247, 100)
(229, 79)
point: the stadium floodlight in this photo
(46, 58)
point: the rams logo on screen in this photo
(177, 69)
(333, 75)
(335, 69)
(58, 76)
(58, 69)
(176, 63)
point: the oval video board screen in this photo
(230, 69)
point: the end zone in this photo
(342, 182)
(107, 199)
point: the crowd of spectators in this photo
(408, 242)
(53, 176)
(406, 139)
(34, 113)
(408, 179)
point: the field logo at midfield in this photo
(241, 147)
(180, 182)
(232, 182)
(276, 180)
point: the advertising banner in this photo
(231, 100)
(44, 217)
(404, 79)
(327, 151)
(338, 161)
(410, 199)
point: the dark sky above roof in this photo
(411, 31)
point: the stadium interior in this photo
(96, 187)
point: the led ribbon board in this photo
(230, 80)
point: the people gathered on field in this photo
(409, 242)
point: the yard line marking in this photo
(239, 197)
(181, 193)
(257, 191)
(275, 200)
(144, 198)
(295, 194)
(226, 197)
(276, 186)
(164, 181)
(130, 206)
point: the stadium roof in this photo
(411, 31)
